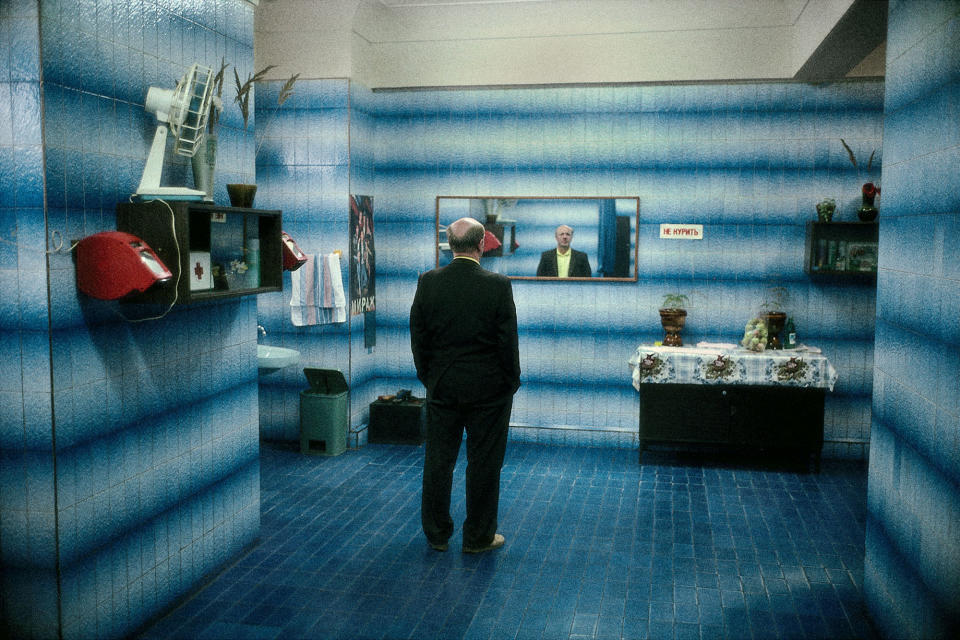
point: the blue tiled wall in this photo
(129, 449)
(748, 161)
(27, 486)
(912, 567)
(317, 151)
(303, 169)
(364, 371)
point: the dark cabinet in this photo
(397, 422)
(684, 413)
(842, 249)
(744, 417)
(213, 251)
(778, 418)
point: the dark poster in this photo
(362, 285)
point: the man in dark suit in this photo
(564, 261)
(463, 333)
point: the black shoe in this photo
(496, 543)
(439, 547)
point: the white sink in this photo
(276, 357)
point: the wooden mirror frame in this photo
(633, 234)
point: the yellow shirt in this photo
(467, 258)
(563, 263)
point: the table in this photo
(731, 397)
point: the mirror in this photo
(525, 228)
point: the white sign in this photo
(681, 231)
(200, 277)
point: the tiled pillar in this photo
(129, 465)
(28, 539)
(912, 566)
(303, 168)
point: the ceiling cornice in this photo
(859, 32)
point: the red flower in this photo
(870, 190)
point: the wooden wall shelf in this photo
(842, 250)
(222, 234)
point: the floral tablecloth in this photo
(699, 365)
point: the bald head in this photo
(564, 235)
(465, 237)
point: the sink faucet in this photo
(261, 330)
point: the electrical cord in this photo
(57, 238)
(176, 286)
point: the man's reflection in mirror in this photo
(564, 261)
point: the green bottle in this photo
(791, 334)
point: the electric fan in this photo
(185, 109)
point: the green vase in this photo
(867, 212)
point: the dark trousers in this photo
(487, 424)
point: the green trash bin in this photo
(323, 413)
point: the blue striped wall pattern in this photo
(912, 565)
(316, 151)
(27, 500)
(365, 381)
(748, 161)
(129, 450)
(303, 169)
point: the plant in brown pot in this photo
(241, 195)
(673, 316)
(774, 316)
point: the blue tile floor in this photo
(598, 546)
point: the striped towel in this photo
(332, 298)
(304, 307)
(316, 292)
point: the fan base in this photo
(168, 193)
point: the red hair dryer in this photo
(113, 264)
(293, 258)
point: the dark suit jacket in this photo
(463, 332)
(579, 264)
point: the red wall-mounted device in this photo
(113, 264)
(293, 258)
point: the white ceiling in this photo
(502, 19)
(427, 3)
(420, 43)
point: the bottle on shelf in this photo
(790, 331)
(841, 256)
(253, 263)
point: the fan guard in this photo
(184, 112)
